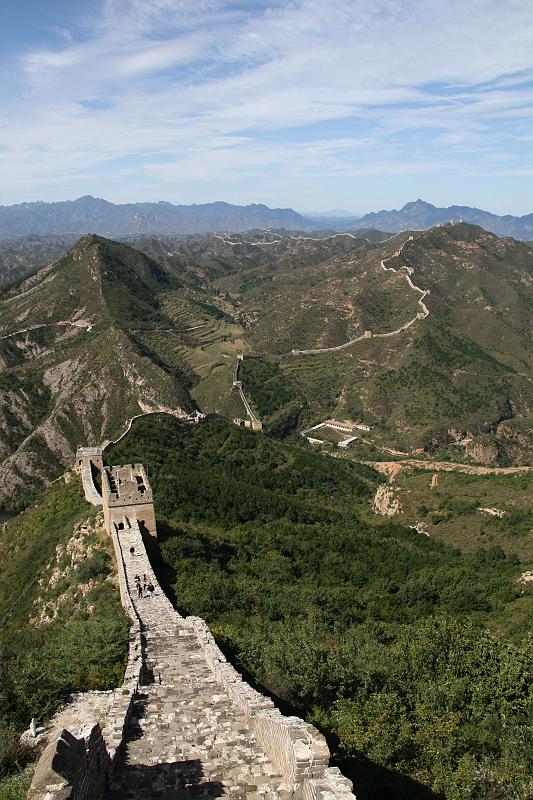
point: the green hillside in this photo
(87, 343)
(375, 633)
(463, 373)
(110, 331)
(62, 626)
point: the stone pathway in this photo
(185, 738)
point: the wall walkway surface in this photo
(185, 723)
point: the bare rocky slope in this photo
(70, 368)
(109, 331)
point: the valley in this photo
(316, 567)
(328, 326)
(266, 469)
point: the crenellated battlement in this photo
(126, 498)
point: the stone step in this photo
(185, 739)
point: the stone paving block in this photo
(190, 734)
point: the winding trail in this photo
(82, 326)
(179, 413)
(420, 315)
(368, 335)
(393, 468)
(307, 238)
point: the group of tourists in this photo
(145, 588)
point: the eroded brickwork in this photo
(185, 724)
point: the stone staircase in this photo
(184, 724)
(185, 737)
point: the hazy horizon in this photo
(304, 212)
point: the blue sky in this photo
(355, 104)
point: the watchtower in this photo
(127, 497)
(91, 455)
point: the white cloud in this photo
(155, 57)
(212, 89)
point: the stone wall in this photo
(77, 763)
(86, 457)
(127, 497)
(297, 748)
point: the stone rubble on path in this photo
(185, 738)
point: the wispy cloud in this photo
(169, 91)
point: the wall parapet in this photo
(298, 749)
(86, 458)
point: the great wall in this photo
(370, 334)
(251, 420)
(367, 334)
(184, 723)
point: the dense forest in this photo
(378, 635)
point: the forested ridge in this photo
(375, 633)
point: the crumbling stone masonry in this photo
(184, 724)
(127, 498)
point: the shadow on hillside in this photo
(372, 781)
(166, 576)
(181, 780)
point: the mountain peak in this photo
(417, 205)
(86, 241)
(421, 215)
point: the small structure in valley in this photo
(127, 497)
(344, 432)
(254, 424)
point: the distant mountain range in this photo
(421, 215)
(93, 215)
(333, 213)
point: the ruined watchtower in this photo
(89, 460)
(127, 498)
